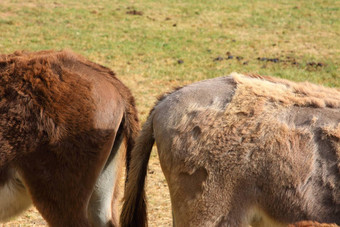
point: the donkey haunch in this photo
(242, 150)
(65, 126)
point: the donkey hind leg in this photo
(173, 219)
(62, 193)
(103, 205)
(250, 216)
(14, 197)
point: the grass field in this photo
(156, 45)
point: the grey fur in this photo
(240, 151)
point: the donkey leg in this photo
(103, 206)
(13, 196)
(61, 181)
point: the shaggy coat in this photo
(242, 150)
(63, 120)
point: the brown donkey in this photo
(66, 124)
(312, 224)
(242, 150)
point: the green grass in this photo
(147, 47)
(144, 50)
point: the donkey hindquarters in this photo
(242, 150)
(64, 120)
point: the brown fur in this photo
(300, 94)
(242, 150)
(52, 131)
(311, 224)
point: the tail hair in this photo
(131, 129)
(134, 207)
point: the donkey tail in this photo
(131, 128)
(134, 207)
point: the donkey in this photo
(66, 126)
(311, 224)
(242, 150)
